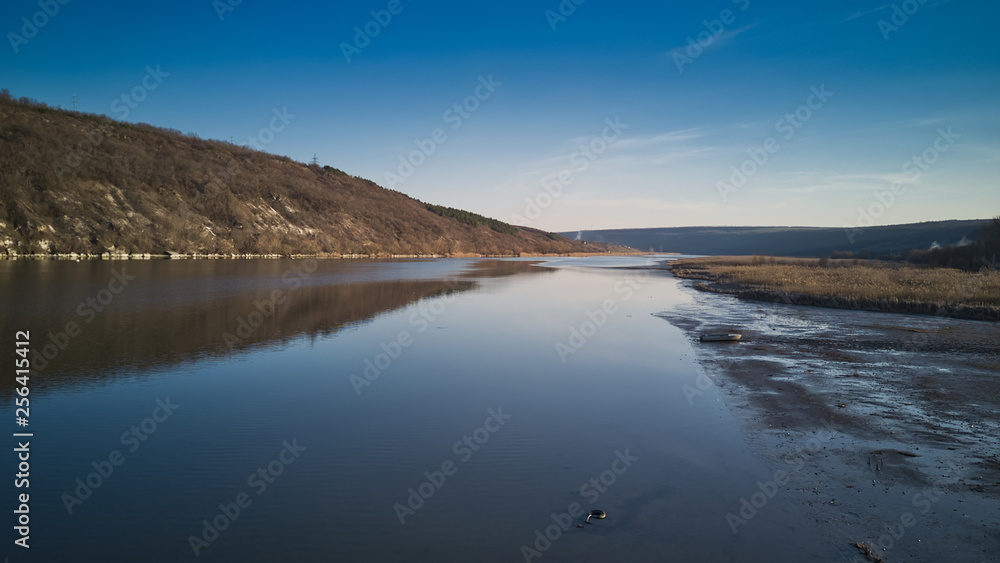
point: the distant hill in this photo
(82, 183)
(888, 241)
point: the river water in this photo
(436, 410)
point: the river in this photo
(420, 410)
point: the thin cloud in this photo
(840, 182)
(863, 14)
(923, 122)
(716, 42)
(681, 154)
(670, 137)
(989, 153)
(639, 203)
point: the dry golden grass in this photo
(850, 279)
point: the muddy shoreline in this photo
(888, 424)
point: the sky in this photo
(563, 114)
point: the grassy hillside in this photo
(83, 183)
(888, 241)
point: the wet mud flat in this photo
(885, 426)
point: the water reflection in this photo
(95, 319)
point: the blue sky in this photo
(898, 81)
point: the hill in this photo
(82, 183)
(892, 241)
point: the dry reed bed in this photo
(850, 284)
